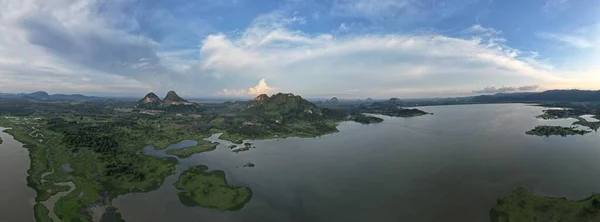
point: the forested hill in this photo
(546, 96)
(288, 107)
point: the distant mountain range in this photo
(171, 102)
(41, 95)
(151, 100)
(546, 96)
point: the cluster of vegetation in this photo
(390, 108)
(103, 152)
(564, 111)
(556, 130)
(203, 146)
(522, 205)
(365, 119)
(592, 125)
(210, 189)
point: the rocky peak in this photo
(395, 101)
(260, 98)
(333, 100)
(173, 97)
(150, 98)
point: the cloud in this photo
(506, 89)
(260, 88)
(93, 46)
(59, 37)
(371, 65)
(552, 5)
(403, 11)
(569, 39)
(528, 88)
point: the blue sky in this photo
(344, 48)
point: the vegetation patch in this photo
(210, 189)
(556, 131)
(203, 146)
(365, 119)
(592, 125)
(522, 205)
(41, 213)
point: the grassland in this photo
(523, 206)
(210, 189)
(203, 146)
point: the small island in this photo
(203, 146)
(392, 107)
(583, 122)
(210, 189)
(522, 205)
(365, 119)
(556, 131)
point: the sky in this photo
(314, 48)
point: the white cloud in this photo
(260, 88)
(552, 5)
(399, 11)
(571, 40)
(507, 89)
(48, 40)
(66, 46)
(373, 65)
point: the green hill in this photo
(285, 108)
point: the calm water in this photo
(451, 166)
(16, 203)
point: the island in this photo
(365, 119)
(556, 130)
(522, 205)
(392, 107)
(583, 122)
(210, 189)
(203, 146)
(573, 111)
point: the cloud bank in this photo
(506, 89)
(97, 47)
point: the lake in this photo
(451, 166)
